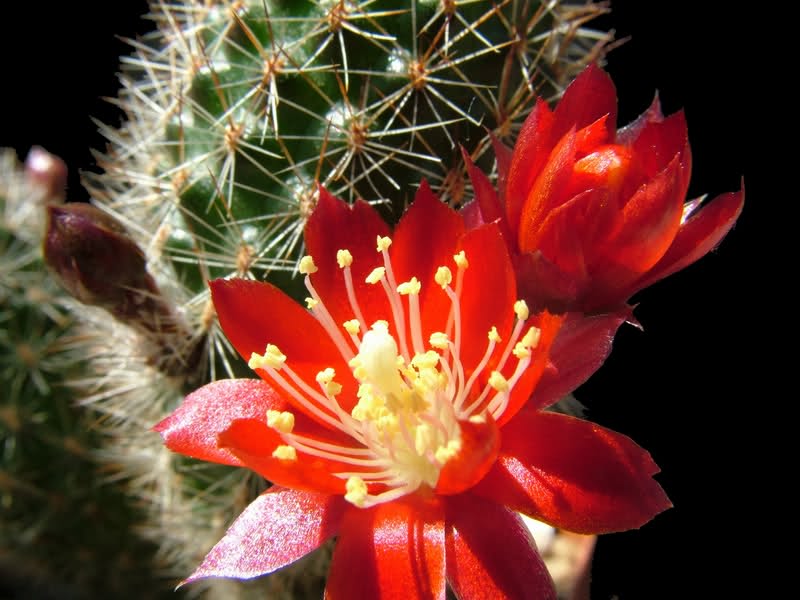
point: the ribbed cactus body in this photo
(61, 521)
(238, 111)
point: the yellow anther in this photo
(326, 375)
(307, 265)
(521, 350)
(445, 453)
(521, 310)
(256, 361)
(384, 243)
(493, 335)
(370, 406)
(352, 327)
(531, 339)
(325, 378)
(376, 275)
(443, 276)
(344, 258)
(426, 360)
(498, 382)
(275, 355)
(478, 419)
(438, 340)
(271, 358)
(285, 453)
(280, 421)
(461, 260)
(409, 287)
(311, 303)
(356, 491)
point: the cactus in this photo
(61, 523)
(235, 113)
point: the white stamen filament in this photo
(397, 310)
(405, 424)
(463, 393)
(351, 296)
(325, 319)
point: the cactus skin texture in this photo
(235, 113)
(60, 522)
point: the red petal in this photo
(480, 443)
(488, 295)
(335, 225)
(543, 285)
(547, 192)
(471, 213)
(660, 140)
(591, 137)
(491, 554)
(568, 233)
(193, 427)
(254, 314)
(531, 151)
(589, 97)
(580, 348)
(424, 240)
(276, 529)
(253, 442)
(486, 197)
(574, 475)
(503, 156)
(394, 551)
(655, 146)
(627, 135)
(648, 224)
(700, 234)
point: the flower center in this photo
(412, 392)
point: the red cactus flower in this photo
(394, 413)
(593, 214)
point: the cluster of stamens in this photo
(412, 392)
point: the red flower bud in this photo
(594, 214)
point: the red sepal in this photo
(574, 475)
(193, 427)
(580, 348)
(700, 234)
(591, 96)
(276, 529)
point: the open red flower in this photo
(393, 412)
(593, 214)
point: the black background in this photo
(684, 388)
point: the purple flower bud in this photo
(92, 256)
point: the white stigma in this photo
(378, 357)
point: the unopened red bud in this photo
(47, 170)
